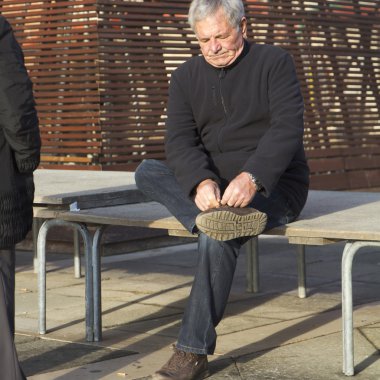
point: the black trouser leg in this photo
(9, 366)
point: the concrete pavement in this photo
(270, 335)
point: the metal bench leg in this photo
(37, 222)
(349, 252)
(41, 252)
(347, 317)
(252, 257)
(77, 267)
(301, 269)
(97, 285)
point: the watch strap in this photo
(256, 182)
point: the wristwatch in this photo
(257, 183)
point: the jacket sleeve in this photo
(18, 115)
(185, 153)
(284, 138)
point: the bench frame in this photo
(93, 273)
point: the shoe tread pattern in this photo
(226, 225)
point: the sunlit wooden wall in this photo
(101, 70)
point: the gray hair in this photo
(200, 9)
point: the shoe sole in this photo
(227, 225)
(157, 376)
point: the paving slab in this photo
(314, 359)
(56, 354)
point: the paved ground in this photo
(270, 335)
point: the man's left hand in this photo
(240, 191)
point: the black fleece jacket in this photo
(245, 117)
(19, 141)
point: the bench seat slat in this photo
(327, 217)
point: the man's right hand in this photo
(207, 195)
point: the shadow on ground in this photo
(48, 353)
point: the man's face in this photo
(220, 43)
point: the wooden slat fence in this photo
(101, 71)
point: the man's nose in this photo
(214, 45)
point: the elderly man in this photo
(235, 163)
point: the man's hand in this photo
(240, 191)
(207, 195)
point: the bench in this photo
(328, 217)
(80, 189)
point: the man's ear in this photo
(243, 27)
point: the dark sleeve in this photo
(185, 153)
(284, 138)
(18, 116)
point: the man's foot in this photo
(183, 366)
(226, 223)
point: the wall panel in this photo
(101, 71)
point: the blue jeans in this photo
(216, 259)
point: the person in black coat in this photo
(19, 156)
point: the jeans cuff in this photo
(194, 229)
(199, 351)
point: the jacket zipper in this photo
(221, 76)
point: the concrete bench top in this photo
(146, 214)
(85, 188)
(338, 215)
(328, 216)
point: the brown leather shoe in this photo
(226, 223)
(183, 366)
